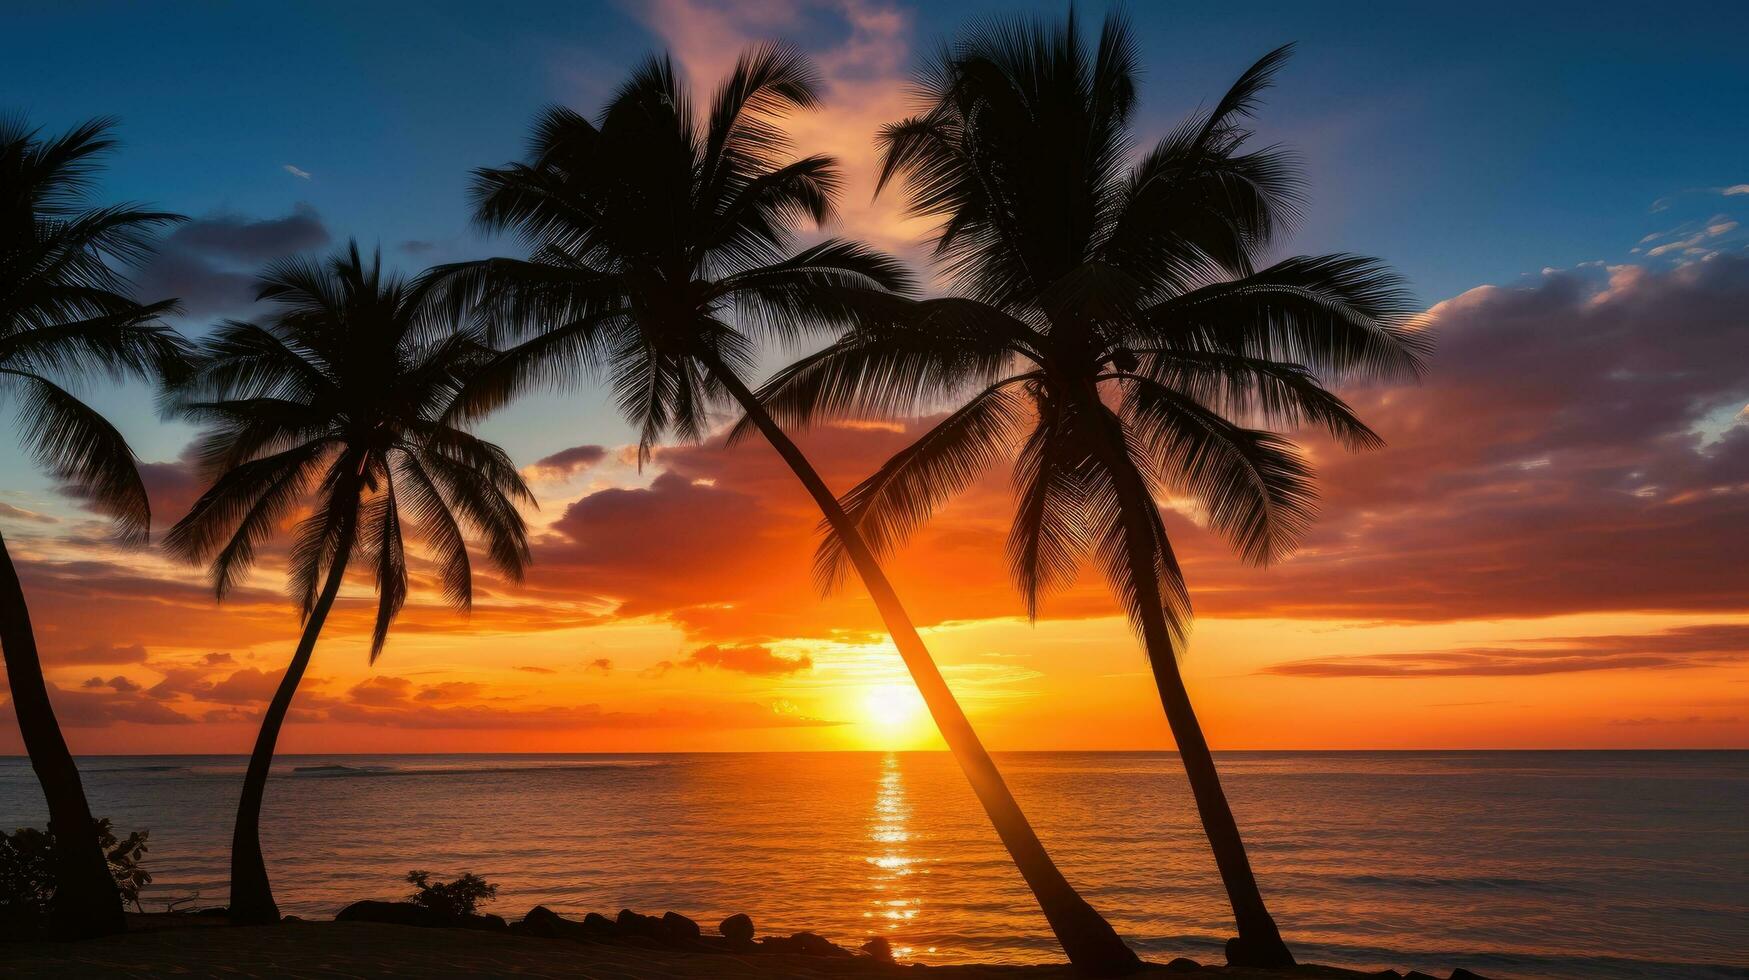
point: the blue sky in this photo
(1466, 144)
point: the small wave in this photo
(335, 770)
(339, 770)
(1455, 883)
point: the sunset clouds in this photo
(1549, 550)
(1577, 449)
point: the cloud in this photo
(20, 514)
(1678, 245)
(295, 172)
(1674, 649)
(89, 709)
(381, 691)
(600, 665)
(97, 653)
(249, 685)
(119, 684)
(414, 246)
(756, 660)
(537, 670)
(719, 716)
(1734, 190)
(450, 691)
(564, 464)
(210, 263)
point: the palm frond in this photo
(888, 507)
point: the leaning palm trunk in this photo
(1088, 940)
(251, 894)
(1259, 943)
(86, 901)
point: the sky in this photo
(1547, 554)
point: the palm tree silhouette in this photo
(1115, 335)
(648, 231)
(335, 402)
(64, 318)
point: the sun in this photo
(891, 706)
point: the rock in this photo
(542, 921)
(293, 918)
(224, 910)
(737, 928)
(879, 948)
(600, 926)
(1183, 964)
(680, 927)
(633, 924)
(393, 913)
(1462, 974)
(1418, 975)
(804, 943)
(484, 923)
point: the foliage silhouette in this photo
(65, 318)
(660, 251)
(456, 899)
(335, 402)
(29, 878)
(1110, 329)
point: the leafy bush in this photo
(27, 873)
(454, 899)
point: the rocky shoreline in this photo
(736, 934)
(671, 930)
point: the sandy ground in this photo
(363, 949)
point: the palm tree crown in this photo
(659, 245)
(338, 397)
(1112, 327)
(660, 254)
(65, 317)
(1091, 283)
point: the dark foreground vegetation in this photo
(541, 945)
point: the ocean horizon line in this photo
(781, 752)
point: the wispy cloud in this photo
(297, 172)
(1684, 647)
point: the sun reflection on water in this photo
(894, 900)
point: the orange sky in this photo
(1548, 554)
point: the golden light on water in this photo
(894, 900)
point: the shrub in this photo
(454, 899)
(27, 873)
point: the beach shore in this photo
(186, 946)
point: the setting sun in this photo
(891, 707)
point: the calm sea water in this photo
(1514, 864)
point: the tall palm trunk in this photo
(1090, 942)
(1259, 943)
(86, 901)
(251, 895)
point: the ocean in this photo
(1512, 864)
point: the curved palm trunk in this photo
(1090, 942)
(251, 895)
(1259, 943)
(86, 901)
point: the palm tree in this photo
(335, 403)
(1111, 330)
(64, 317)
(654, 238)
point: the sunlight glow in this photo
(891, 706)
